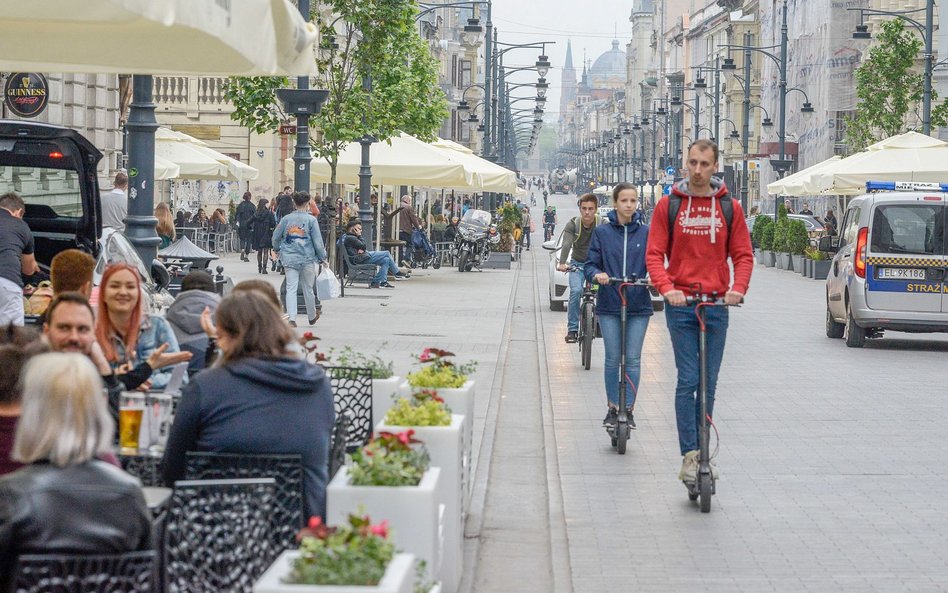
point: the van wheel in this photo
(855, 335)
(833, 329)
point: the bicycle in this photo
(588, 320)
(548, 231)
(620, 432)
(703, 487)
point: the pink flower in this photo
(381, 529)
(314, 522)
(405, 437)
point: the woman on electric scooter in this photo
(617, 250)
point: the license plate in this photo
(901, 274)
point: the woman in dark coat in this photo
(262, 225)
(258, 399)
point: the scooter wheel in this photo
(614, 442)
(622, 436)
(705, 488)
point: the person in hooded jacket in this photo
(262, 224)
(184, 315)
(617, 250)
(697, 248)
(257, 399)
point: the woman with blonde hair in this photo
(165, 226)
(66, 500)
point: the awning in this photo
(165, 169)
(238, 171)
(905, 157)
(208, 37)
(487, 176)
(192, 162)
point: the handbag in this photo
(327, 285)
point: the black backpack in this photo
(674, 205)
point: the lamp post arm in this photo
(433, 7)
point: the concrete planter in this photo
(498, 260)
(414, 512)
(796, 262)
(821, 268)
(768, 258)
(444, 445)
(783, 261)
(461, 401)
(399, 578)
(383, 392)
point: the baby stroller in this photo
(421, 253)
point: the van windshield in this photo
(912, 228)
(48, 193)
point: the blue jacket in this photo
(297, 240)
(619, 250)
(258, 406)
(154, 332)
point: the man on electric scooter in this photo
(617, 250)
(697, 253)
(577, 235)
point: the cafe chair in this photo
(132, 572)
(352, 393)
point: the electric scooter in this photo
(620, 433)
(703, 487)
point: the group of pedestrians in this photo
(685, 253)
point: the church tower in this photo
(568, 81)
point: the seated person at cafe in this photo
(71, 271)
(17, 346)
(66, 500)
(358, 252)
(126, 333)
(197, 293)
(258, 399)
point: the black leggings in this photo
(263, 257)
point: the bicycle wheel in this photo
(589, 330)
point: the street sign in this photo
(670, 171)
(287, 130)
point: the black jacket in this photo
(262, 224)
(258, 406)
(88, 508)
(245, 211)
(355, 248)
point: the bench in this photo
(356, 272)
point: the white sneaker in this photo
(689, 467)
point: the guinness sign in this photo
(26, 93)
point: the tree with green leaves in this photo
(890, 90)
(368, 40)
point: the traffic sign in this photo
(670, 171)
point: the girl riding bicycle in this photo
(618, 250)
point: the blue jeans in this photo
(611, 327)
(576, 280)
(684, 330)
(307, 274)
(383, 259)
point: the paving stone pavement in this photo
(831, 460)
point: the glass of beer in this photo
(131, 410)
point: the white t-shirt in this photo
(114, 209)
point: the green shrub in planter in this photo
(760, 225)
(348, 357)
(767, 237)
(439, 371)
(356, 554)
(389, 460)
(423, 408)
(780, 236)
(797, 237)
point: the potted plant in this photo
(760, 222)
(333, 560)
(384, 382)
(439, 372)
(797, 241)
(767, 243)
(821, 265)
(391, 477)
(442, 432)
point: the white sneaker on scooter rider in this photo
(689, 467)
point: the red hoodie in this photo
(699, 253)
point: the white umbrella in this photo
(239, 171)
(800, 183)
(191, 161)
(259, 37)
(904, 157)
(487, 176)
(165, 169)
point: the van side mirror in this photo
(827, 245)
(550, 245)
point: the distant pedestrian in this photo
(115, 204)
(806, 209)
(789, 206)
(527, 224)
(830, 223)
(245, 212)
(261, 228)
(299, 245)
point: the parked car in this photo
(814, 228)
(889, 265)
(54, 170)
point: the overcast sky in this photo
(590, 24)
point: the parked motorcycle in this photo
(475, 236)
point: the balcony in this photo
(190, 93)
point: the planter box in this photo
(414, 512)
(768, 257)
(399, 578)
(444, 444)
(461, 401)
(806, 267)
(758, 256)
(382, 391)
(783, 261)
(821, 269)
(498, 260)
(796, 262)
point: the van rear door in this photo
(906, 254)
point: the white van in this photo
(889, 267)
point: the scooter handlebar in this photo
(633, 281)
(710, 299)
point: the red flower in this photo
(308, 336)
(314, 522)
(405, 437)
(381, 529)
